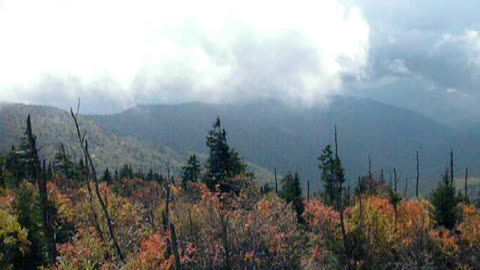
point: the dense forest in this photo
(66, 213)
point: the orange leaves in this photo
(152, 254)
(413, 221)
(470, 226)
(6, 199)
(445, 240)
(61, 201)
(321, 217)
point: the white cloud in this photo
(210, 50)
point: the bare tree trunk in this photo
(370, 175)
(276, 187)
(42, 188)
(466, 182)
(178, 266)
(451, 167)
(308, 190)
(418, 176)
(395, 179)
(226, 244)
(89, 163)
(406, 187)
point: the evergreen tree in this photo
(64, 163)
(116, 175)
(2, 170)
(29, 211)
(126, 172)
(291, 192)
(333, 175)
(80, 170)
(150, 175)
(191, 172)
(444, 201)
(107, 176)
(223, 162)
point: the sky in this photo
(114, 54)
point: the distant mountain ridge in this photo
(54, 126)
(273, 134)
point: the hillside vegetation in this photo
(275, 135)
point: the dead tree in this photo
(418, 176)
(308, 190)
(176, 255)
(89, 164)
(225, 240)
(395, 179)
(172, 244)
(370, 175)
(340, 206)
(276, 186)
(451, 167)
(42, 188)
(466, 182)
(406, 187)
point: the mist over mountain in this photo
(275, 135)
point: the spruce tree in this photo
(64, 163)
(191, 172)
(444, 200)
(332, 175)
(107, 176)
(125, 172)
(291, 192)
(223, 162)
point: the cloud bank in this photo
(114, 54)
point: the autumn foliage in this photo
(245, 230)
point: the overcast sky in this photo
(422, 55)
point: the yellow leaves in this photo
(62, 202)
(378, 220)
(413, 219)
(470, 226)
(12, 237)
(83, 251)
(444, 240)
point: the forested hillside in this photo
(275, 135)
(55, 127)
(218, 216)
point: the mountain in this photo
(273, 134)
(54, 127)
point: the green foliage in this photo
(64, 164)
(444, 199)
(13, 239)
(107, 176)
(333, 176)
(126, 171)
(191, 172)
(28, 209)
(291, 192)
(223, 161)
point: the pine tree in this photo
(125, 172)
(64, 163)
(291, 192)
(333, 175)
(445, 200)
(223, 162)
(107, 176)
(191, 172)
